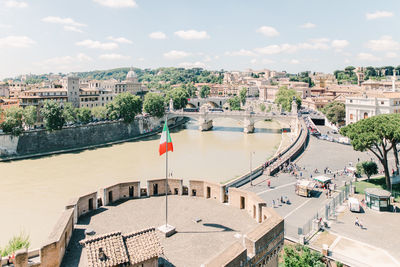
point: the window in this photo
(365, 115)
(351, 116)
(382, 102)
(351, 101)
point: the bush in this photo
(16, 243)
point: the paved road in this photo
(318, 155)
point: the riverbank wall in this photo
(38, 143)
(272, 166)
(261, 244)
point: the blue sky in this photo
(40, 36)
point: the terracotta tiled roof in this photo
(130, 248)
(113, 247)
(143, 245)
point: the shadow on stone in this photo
(85, 219)
(74, 250)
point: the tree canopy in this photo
(204, 91)
(302, 256)
(378, 134)
(368, 168)
(234, 103)
(335, 112)
(12, 123)
(179, 97)
(285, 96)
(154, 105)
(243, 95)
(53, 115)
(125, 106)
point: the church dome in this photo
(131, 74)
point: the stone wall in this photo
(120, 191)
(174, 187)
(43, 142)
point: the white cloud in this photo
(378, 15)
(113, 56)
(347, 61)
(63, 21)
(314, 46)
(339, 44)
(16, 41)
(276, 49)
(190, 65)
(16, 4)
(67, 60)
(116, 3)
(96, 44)
(72, 29)
(241, 52)
(158, 35)
(308, 25)
(207, 58)
(294, 61)
(268, 31)
(391, 55)
(174, 54)
(121, 40)
(367, 57)
(385, 43)
(253, 61)
(192, 35)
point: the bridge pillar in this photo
(248, 125)
(205, 125)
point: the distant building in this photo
(369, 104)
(4, 90)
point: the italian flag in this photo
(165, 139)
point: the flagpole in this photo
(166, 176)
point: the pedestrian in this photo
(273, 203)
(358, 159)
(326, 193)
(334, 176)
(269, 183)
(301, 174)
(356, 223)
(361, 224)
(281, 199)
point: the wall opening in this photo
(194, 192)
(155, 189)
(208, 192)
(254, 211)
(242, 202)
(90, 203)
(131, 191)
(176, 191)
(110, 197)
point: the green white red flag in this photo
(165, 141)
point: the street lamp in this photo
(251, 168)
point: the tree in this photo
(349, 70)
(368, 168)
(335, 112)
(191, 89)
(262, 107)
(242, 95)
(179, 97)
(99, 113)
(125, 106)
(373, 134)
(84, 115)
(52, 115)
(302, 257)
(69, 113)
(285, 96)
(204, 91)
(29, 116)
(154, 105)
(12, 123)
(234, 103)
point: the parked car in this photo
(354, 204)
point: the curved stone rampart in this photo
(262, 236)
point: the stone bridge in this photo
(216, 102)
(248, 117)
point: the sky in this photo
(41, 36)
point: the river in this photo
(33, 192)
